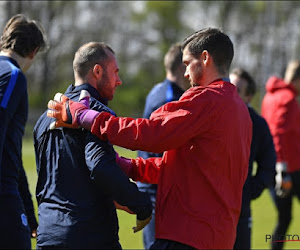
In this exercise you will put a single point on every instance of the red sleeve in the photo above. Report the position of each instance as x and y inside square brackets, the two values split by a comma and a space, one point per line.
[169, 127]
[146, 170]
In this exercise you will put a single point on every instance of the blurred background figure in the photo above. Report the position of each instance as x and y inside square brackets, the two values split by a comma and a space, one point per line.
[169, 90]
[262, 152]
[282, 112]
[21, 39]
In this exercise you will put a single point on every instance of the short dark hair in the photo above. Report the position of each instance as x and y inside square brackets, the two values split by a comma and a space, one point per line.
[218, 45]
[88, 55]
[22, 36]
[173, 58]
[251, 85]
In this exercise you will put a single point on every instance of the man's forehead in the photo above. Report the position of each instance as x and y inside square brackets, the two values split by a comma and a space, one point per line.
[186, 51]
[186, 54]
[112, 60]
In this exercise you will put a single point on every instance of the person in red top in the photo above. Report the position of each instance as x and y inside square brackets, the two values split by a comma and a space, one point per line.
[282, 113]
[206, 136]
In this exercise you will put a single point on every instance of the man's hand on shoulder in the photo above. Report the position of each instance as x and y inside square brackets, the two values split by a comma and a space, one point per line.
[71, 114]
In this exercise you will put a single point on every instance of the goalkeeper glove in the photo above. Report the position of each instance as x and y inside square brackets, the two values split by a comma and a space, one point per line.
[283, 180]
[71, 114]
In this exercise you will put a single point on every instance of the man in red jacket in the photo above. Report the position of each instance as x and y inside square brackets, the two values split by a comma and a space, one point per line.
[282, 113]
[206, 136]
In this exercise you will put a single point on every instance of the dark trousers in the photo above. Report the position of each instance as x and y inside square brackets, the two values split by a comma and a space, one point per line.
[14, 228]
[284, 209]
[149, 230]
[168, 244]
[243, 233]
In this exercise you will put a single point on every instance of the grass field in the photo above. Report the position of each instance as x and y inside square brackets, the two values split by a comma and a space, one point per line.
[263, 211]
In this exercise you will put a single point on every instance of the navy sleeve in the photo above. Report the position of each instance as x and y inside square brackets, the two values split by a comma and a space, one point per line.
[265, 159]
[12, 88]
[3, 128]
[26, 198]
[109, 179]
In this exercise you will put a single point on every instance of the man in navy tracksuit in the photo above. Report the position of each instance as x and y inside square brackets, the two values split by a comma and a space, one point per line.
[169, 90]
[262, 152]
[20, 41]
[78, 178]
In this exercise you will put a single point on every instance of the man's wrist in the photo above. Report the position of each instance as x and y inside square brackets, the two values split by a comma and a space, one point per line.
[125, 164]
[86, 118]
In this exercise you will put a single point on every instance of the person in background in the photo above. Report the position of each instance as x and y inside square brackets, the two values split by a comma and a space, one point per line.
[78, 178]
[21, 40]
[262, 152]
[282, 112]
[169, 90]
[205, 136]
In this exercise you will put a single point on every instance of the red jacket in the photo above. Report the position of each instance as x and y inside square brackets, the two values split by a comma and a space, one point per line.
[282, 113]
[206, 136]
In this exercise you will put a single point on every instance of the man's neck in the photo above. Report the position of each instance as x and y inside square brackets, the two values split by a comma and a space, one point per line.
[214, 76]
[19, 59]
[178, 80]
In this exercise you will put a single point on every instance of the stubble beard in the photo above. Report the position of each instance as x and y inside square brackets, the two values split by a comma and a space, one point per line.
[198, 77]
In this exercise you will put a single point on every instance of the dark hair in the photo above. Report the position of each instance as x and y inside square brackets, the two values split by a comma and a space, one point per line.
[218, 45]
[22, 36]
[251, 85]
[173, 58]
[88, 55]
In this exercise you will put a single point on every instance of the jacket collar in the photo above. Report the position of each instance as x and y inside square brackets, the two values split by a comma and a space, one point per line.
[224, 79]
[85, 86]
[13, 61]
[174, 84]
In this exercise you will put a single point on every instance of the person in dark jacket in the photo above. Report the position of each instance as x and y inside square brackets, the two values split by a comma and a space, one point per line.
[78, 178]
[262, 152]
[21, 39]
[169, 90]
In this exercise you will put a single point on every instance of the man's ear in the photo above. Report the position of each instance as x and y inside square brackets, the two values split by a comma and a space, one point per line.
[98, 71]
[33, 53]
[206, 58]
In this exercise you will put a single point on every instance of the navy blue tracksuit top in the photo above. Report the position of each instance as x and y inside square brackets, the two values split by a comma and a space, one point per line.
[13, 114]
[14, 229]
[78, 180]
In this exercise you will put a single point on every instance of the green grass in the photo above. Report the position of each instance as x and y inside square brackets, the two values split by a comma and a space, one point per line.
[263, 211]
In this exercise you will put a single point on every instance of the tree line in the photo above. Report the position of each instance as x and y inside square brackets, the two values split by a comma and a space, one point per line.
[265, 36]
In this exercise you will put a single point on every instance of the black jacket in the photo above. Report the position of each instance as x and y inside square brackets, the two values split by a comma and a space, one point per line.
[78, 180]
[263, 153]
